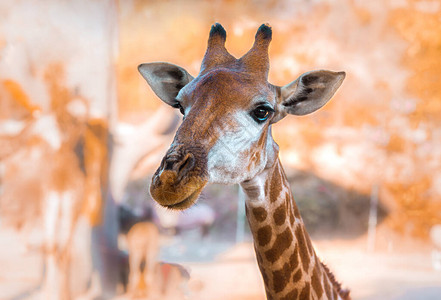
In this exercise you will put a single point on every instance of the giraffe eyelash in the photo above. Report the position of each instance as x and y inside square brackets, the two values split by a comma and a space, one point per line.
[179, 106]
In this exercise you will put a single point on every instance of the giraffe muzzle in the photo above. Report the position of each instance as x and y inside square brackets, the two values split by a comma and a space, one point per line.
[179, 179]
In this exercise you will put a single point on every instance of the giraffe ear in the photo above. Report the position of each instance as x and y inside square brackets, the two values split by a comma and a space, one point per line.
[310, 91]
[165, 79]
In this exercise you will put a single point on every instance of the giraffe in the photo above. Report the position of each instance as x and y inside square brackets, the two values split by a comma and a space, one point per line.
[149, 278]
[225, 137]
[143, 246]
[55, 168]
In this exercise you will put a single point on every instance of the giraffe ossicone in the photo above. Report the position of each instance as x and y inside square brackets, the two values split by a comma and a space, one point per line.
[225, 137]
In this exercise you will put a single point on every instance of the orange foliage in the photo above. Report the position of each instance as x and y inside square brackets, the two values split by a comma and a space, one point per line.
[396, 143]
[423, 32]
[416, 211]
[359, 116]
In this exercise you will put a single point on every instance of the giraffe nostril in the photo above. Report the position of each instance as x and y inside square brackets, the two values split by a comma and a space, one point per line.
[185, 165]
[180, 167]
[169, 164]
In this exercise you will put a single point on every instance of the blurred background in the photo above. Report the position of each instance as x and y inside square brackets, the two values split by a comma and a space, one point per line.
[81, 133]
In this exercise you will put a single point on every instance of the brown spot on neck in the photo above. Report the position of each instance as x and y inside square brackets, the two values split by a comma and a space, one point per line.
[291, 295]
[259, 214]
[316, 283]
[297, 275]
[264, 235]
[275, 185]
[279, 215]
[282, 277]
[282, 242]
[306, 291]
[303, 248]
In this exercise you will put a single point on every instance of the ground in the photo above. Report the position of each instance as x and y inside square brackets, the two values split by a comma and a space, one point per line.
[229, 272]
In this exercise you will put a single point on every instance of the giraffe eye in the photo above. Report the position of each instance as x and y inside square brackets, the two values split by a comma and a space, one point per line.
[261, 113]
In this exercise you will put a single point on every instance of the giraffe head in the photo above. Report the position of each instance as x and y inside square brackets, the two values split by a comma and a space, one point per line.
[228, 109]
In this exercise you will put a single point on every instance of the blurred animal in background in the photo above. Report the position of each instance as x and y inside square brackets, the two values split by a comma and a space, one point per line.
[172, 281]
[59, 158]
[149, 278]
[143, 247]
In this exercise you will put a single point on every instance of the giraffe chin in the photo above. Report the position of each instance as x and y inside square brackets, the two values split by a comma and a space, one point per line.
[177, 196]
[186, 203]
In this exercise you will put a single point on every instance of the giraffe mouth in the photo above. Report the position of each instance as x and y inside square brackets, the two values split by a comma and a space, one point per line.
[180, 178]
[177, 196]
[185, 203]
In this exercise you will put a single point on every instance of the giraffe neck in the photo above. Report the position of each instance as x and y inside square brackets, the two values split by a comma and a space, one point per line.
[286, 258]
